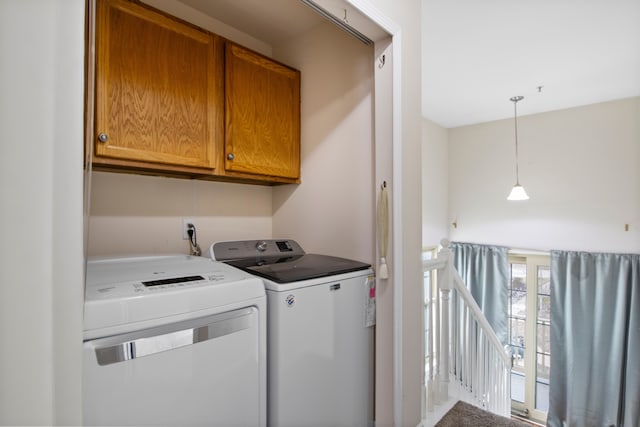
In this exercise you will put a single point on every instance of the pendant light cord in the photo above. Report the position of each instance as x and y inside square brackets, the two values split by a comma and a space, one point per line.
[517, 192]
[515, 100]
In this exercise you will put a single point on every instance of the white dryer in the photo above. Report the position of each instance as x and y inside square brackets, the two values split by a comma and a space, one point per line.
[173, 340]
[320, 354]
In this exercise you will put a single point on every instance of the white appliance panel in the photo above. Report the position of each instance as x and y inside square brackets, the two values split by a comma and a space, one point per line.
[173, 340]
[117, 301]
[215, 379]
[319, 353]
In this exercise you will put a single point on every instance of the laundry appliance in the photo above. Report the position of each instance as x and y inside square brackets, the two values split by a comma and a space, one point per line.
[173, 340]
[319, 351]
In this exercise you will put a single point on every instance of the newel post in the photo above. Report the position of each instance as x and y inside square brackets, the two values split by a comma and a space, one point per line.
[445, 283]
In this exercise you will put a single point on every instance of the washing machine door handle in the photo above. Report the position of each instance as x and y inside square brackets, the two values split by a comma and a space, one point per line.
[156, 340]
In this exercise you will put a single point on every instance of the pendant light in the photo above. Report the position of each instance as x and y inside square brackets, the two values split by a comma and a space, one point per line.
[517, 192]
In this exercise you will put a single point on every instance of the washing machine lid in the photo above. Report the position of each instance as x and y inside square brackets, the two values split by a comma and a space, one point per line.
[298, 268]
[133, 292]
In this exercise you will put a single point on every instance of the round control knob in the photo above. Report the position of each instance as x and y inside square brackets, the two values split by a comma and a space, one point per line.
[230, 156]
[261, 246]
[103, 137]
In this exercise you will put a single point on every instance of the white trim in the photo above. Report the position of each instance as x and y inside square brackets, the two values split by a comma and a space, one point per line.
[374, 14]
[393, 29]
[398, 275]
[528, 252]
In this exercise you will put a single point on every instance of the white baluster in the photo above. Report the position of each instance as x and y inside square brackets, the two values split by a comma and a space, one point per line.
[461, 343]
[445, 283]
[444, 347]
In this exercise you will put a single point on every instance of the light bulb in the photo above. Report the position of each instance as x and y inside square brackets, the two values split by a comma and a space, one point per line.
[518, 193]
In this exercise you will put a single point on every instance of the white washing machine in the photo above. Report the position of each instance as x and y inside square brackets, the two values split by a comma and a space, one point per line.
[320, 351]
[173, 340]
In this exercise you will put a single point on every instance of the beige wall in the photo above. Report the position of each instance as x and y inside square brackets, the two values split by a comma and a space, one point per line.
[182, 11]
[133, 214]
[579, 166]
[41, 261]
[435, 183]
[332, 211]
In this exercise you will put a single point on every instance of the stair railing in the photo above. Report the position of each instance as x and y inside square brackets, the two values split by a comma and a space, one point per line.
[460, 346]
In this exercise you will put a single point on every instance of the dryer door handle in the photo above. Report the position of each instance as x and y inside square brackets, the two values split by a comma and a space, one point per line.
[215, 327]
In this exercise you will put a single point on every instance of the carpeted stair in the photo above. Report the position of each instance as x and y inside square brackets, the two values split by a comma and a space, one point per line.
[465, 415]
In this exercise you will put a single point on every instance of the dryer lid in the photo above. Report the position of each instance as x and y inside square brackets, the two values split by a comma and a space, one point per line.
[298, 268]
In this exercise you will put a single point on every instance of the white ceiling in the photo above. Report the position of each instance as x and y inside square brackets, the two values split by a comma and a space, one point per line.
[270, 21]
[478, 54]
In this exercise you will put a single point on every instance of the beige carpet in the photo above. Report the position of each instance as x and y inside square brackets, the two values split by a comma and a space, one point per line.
[465, 415]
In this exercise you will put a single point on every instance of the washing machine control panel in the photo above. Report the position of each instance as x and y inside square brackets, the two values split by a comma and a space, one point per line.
[121, 278]
[125, 291]
[246, 249]
[144, 287]
[172, 281]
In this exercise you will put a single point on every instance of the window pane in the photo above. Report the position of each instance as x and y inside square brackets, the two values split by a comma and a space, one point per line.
[544, 308]
[543, 337]
[544, 280]
[517, 343]
[519, 277]
[544, 366]
[517, 327]
[517, 313]
[517, 386]
[542, 381]
[542, 396]
[536, 341]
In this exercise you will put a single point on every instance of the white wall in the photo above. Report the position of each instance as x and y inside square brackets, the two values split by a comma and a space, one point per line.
[133, 214]
[407, 50]
[435, 188]
[41, 258]
[579, 166]
[189, 14]
[332, 210]
[386, 350]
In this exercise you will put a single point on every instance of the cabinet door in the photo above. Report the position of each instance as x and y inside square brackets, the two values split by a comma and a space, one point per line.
[262, 129]
[156, 95]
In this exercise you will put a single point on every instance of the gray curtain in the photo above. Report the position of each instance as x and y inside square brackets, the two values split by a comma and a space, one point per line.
[485, 270]
[595, 340]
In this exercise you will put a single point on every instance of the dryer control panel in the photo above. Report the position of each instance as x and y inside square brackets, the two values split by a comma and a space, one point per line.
[247, 249]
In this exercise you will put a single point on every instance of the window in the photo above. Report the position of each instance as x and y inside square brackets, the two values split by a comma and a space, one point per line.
[530, 334]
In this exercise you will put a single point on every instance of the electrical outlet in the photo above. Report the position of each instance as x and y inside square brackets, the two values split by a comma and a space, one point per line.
[185, 223]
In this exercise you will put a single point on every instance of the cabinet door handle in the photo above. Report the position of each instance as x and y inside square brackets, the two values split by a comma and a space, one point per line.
[230, 156]
[103, 137]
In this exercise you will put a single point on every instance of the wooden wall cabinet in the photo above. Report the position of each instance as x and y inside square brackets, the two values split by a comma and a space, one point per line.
[262, 116]
[159, 96]
[173, 99]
